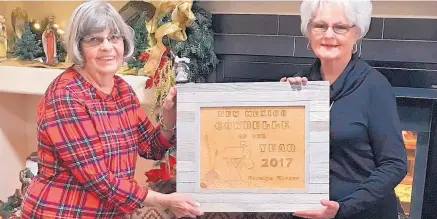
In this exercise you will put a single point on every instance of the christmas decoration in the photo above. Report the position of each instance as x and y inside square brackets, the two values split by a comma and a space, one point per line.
[60, 48]
[3, 38]
[159, 65]
[182, 17]
[166, 171]
[27, 48]
[182, 70]
[163, 178]
[60, 52]
[180, 44]
[49, 42]
[19, 18]
[180, 49]
[11, 208]
[27, 174]
[156, 60]
[199, 46]
[140, 40]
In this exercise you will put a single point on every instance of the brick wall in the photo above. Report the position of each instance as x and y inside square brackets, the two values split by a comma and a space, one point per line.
[256, 47]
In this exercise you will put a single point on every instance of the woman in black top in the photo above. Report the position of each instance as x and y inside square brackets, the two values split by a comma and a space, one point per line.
[367, 153]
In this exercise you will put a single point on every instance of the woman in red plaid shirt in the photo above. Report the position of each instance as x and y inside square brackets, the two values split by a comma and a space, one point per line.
[91, 129]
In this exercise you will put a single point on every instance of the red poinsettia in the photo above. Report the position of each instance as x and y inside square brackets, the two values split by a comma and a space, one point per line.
[154, 80]
[165, 172]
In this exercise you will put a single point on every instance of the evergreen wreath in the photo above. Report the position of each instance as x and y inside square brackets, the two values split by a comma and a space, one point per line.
[199, 46]
[140, 41]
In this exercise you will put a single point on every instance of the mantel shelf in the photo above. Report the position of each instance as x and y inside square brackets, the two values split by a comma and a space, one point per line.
[34, 81]
[416, 93]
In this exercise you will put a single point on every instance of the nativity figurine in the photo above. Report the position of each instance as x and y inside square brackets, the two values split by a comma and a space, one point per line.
[3, 38]
[49, 42]
[18, 18]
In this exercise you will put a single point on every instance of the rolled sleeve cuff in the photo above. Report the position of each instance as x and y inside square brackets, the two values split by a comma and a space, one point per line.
[134, 200]
[164, 142]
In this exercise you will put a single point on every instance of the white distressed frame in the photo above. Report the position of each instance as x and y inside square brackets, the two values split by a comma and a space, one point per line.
[314, 96]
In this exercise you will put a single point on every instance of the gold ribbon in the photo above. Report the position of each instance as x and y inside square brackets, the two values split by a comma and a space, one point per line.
[182, 17]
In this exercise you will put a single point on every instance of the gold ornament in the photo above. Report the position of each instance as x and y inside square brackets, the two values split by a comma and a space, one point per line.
[159, 63]
[158, 58]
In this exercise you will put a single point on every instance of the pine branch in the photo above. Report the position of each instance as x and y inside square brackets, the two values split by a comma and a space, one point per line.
[140, 39]
[199, 46]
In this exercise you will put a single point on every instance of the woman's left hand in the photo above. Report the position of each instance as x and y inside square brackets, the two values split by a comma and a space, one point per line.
[328, 212]
[169, 109]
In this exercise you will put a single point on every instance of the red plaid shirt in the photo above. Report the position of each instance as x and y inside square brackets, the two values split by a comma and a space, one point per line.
[88, 143]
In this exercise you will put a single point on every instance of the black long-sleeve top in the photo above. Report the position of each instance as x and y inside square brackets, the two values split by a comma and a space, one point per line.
[367, 153]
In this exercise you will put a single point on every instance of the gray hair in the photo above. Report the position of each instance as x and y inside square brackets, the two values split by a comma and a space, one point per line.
[94, 17]
[359, 12]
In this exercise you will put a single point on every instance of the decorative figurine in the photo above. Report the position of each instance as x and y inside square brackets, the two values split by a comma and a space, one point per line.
[181, 69]
[18, 18]
[3, 38]
[49, 42]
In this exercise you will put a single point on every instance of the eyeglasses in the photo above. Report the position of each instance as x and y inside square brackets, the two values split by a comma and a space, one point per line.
[323, 27]
[97, 40]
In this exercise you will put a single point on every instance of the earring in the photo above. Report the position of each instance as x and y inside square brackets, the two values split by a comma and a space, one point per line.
[78, 67]
[308, 46]
[355, 48]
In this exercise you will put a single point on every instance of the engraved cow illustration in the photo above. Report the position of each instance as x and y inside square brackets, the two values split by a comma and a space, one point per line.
[236, 159]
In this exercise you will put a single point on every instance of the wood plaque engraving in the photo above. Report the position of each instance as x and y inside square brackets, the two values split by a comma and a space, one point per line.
[253, 147]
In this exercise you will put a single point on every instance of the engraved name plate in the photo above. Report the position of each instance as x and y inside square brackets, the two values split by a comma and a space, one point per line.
[253, 147]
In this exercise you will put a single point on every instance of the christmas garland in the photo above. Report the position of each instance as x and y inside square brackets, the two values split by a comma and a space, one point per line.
[198, 46]
[163, 38]
[159, 42]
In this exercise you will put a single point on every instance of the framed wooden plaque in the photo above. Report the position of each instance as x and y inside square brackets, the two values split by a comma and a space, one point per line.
[253, 147]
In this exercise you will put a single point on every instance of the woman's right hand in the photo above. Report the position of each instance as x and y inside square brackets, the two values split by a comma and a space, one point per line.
[179, 204]
[182, 206]
[295, 80]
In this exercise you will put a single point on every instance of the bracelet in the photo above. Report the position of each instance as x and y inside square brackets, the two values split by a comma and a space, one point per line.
[165, 128]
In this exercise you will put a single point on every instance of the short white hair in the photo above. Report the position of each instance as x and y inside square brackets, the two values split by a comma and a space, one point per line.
[359, 12]
[93, 17]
